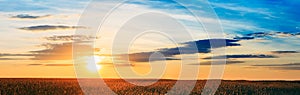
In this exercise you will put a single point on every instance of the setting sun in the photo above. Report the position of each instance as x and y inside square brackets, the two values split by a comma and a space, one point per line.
[94, 61]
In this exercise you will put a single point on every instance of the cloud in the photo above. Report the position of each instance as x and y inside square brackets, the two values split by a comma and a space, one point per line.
[27, 16]
[242, 56]
[285, 68]
[218, 63]
[73, 38]
[243, 38]
[8, 54]
[113, 64]
[50, 27]
[262, 14]
[59, 65]
[60, 6]
[265, 35]
[54, 51]
[15, 59]
[58, 51]
[240, 8]
[290, 66]
[204, 46]
[35, 64]
[283, 52]
[50, 64]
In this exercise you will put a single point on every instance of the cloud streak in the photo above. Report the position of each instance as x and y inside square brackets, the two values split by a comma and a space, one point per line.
[283, 52]
[8, 54]
[15, 59]
[58, 65]
[73, 38]
[218, 63]
[242, 56]
[50, 27]
[263, 35]
[27, 16]
[290, 66]
[203, 46]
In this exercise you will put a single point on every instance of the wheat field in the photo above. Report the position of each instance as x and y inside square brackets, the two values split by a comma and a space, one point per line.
[121, 87]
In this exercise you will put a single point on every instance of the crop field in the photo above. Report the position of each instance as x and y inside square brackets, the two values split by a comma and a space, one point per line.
[71, 87]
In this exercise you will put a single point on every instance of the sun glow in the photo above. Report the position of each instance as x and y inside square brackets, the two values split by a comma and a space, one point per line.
[93, 63]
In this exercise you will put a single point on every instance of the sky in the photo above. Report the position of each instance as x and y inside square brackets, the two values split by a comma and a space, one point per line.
[154, 38]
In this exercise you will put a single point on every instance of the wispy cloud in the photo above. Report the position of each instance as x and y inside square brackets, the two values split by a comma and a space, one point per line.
[41, 6]
[27, 16]
[50, 64]
[8, 54]
[114, 64]
[290, 66]
[50, 27]
[267, 35]
[285, 68]
[239, 8]
[243, 38]
[15, 58]
[73, 38]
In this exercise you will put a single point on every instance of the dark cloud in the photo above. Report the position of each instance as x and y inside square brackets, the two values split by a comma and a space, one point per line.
[49, 27]
[173, 59]
[242, 56]
[27, 16]
[203, 46]
[283, 52]
[74, 38]
[243, 38]
[295, 34]
[218, 63]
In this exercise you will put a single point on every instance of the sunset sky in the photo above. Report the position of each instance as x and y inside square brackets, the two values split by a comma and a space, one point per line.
[262, 38]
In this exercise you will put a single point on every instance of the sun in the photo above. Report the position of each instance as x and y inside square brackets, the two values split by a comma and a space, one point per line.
[93, 63]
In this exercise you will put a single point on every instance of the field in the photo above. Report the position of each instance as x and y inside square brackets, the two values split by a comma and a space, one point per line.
[71, 87]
